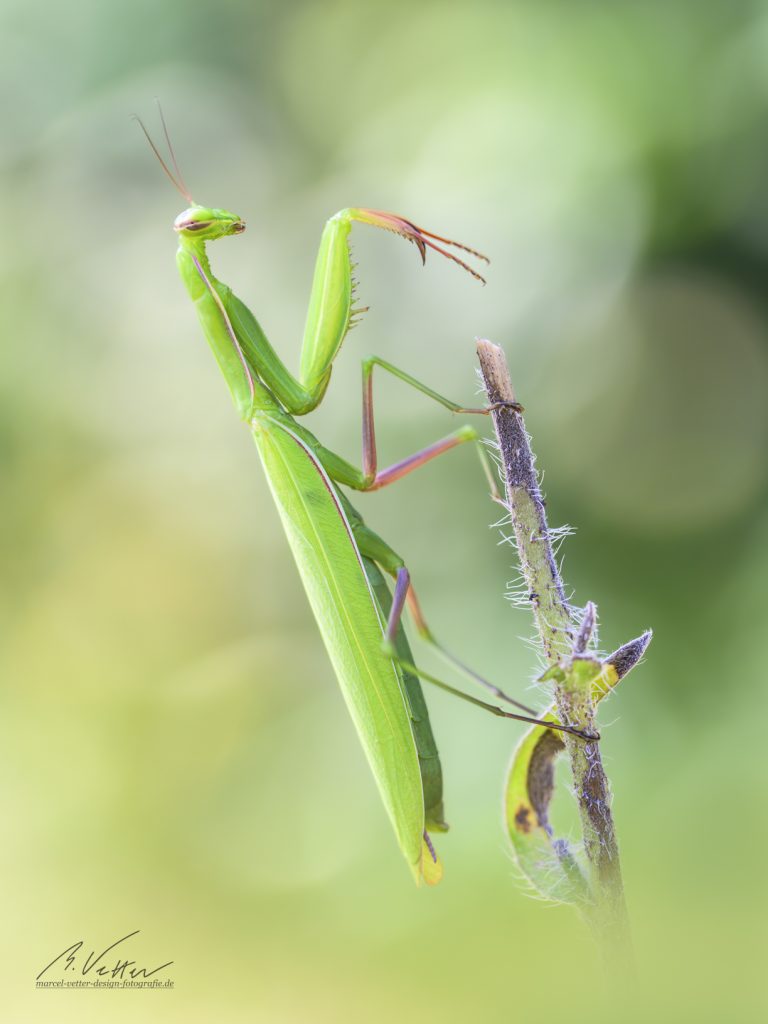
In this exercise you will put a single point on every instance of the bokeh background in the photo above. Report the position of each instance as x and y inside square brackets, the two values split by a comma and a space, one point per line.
[176, 756]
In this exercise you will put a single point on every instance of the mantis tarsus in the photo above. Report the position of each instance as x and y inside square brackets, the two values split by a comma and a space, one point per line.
[339, 558]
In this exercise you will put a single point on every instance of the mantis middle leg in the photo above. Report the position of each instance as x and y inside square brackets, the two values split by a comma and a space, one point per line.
[369, 478]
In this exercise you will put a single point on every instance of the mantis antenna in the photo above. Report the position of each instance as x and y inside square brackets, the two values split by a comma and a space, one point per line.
[179, 175]
[178, 181]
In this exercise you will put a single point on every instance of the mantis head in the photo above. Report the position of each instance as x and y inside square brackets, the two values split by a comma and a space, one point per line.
[207, 224]
[196, 221]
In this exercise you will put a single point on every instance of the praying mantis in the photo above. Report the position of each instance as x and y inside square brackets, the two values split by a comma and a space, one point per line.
[340, 559]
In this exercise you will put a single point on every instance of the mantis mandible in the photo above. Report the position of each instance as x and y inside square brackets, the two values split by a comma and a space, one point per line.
[339, 558]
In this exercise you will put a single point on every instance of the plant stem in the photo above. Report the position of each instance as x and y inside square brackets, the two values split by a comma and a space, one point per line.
[564, 645]
[526, 505]
[607, 914]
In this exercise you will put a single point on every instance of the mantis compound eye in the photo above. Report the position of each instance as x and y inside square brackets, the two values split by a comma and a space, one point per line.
[194, 225]
[190, 220]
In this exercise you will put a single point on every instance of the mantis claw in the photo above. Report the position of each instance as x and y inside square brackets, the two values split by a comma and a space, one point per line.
[485, 410]
[584, 734]
[421, 238]
[495, 406]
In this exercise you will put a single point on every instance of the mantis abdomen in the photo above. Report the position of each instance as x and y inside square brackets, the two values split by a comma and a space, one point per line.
[352, 626]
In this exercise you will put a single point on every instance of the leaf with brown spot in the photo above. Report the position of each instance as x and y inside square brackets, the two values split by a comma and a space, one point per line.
[546, 862]
[522, 818]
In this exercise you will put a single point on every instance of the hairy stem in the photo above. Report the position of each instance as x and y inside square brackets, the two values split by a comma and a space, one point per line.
[607, 913]
[564, 644]
[546, 593]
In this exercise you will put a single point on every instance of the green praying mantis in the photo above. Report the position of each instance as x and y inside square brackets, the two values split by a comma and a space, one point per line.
[341, 561]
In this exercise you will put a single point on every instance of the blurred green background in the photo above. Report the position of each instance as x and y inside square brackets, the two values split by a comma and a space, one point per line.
[176, 755]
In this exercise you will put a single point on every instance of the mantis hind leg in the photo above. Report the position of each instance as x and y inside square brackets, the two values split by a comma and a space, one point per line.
[426, 748]
[375, 549]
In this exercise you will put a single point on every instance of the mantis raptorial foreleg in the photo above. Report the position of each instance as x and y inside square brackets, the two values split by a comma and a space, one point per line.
[330, 314]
